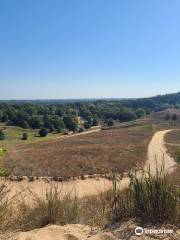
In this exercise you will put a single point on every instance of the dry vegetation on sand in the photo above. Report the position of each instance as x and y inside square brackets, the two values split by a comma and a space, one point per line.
[151, 199]
[102, 152]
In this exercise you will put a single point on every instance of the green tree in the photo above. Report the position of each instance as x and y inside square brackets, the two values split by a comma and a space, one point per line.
[24, 124]
[140, 112]
[58, 123]
[47, 121]
[4, 118]
[95, 122]
[25, 136]
[167, 116]
[174, 117]
[110, 122]
[71, 123]
[35, 122]
[43, 132]
[81, 129]
[87, 125]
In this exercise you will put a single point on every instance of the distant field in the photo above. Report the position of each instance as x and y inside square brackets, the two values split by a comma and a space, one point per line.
[117, 149]
[13, 136]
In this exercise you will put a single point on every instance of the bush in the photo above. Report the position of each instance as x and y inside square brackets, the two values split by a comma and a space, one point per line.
[43, 132]
[2, 135]
[24, 136]
[110, 122]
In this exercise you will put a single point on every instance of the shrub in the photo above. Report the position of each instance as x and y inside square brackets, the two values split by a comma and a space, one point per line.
[43, 132]
[24, 136]
[110, 122]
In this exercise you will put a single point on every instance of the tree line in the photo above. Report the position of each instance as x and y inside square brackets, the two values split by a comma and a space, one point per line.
[57, 117]
[80, 115]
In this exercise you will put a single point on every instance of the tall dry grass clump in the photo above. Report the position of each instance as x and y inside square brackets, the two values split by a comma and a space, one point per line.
[54, 208]
[152, 198]
[7, 205]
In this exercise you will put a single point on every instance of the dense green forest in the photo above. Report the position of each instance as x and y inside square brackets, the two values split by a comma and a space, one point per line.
[75, 115]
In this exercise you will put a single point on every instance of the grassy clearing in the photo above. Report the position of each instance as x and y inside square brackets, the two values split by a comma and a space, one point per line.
[14, 134]
[100, 152]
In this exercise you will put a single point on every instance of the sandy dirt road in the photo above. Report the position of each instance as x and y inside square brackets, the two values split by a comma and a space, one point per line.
[156, 156]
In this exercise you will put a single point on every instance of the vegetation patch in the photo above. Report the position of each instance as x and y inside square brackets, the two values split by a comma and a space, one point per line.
[116, 150]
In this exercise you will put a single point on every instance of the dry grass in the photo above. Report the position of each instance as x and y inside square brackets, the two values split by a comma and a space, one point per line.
[116, 150]
[54, 208]
[173, 138]
[151, 199]
[7, 208]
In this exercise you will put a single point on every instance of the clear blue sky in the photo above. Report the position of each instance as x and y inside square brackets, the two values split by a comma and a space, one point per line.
[89, 48]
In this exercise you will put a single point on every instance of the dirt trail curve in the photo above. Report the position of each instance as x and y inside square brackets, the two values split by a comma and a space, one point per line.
[156, 152]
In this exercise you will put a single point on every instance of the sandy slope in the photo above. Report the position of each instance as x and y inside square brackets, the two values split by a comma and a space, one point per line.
[80, 188]
[156, 151]
[68, 232]
[121, 231]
